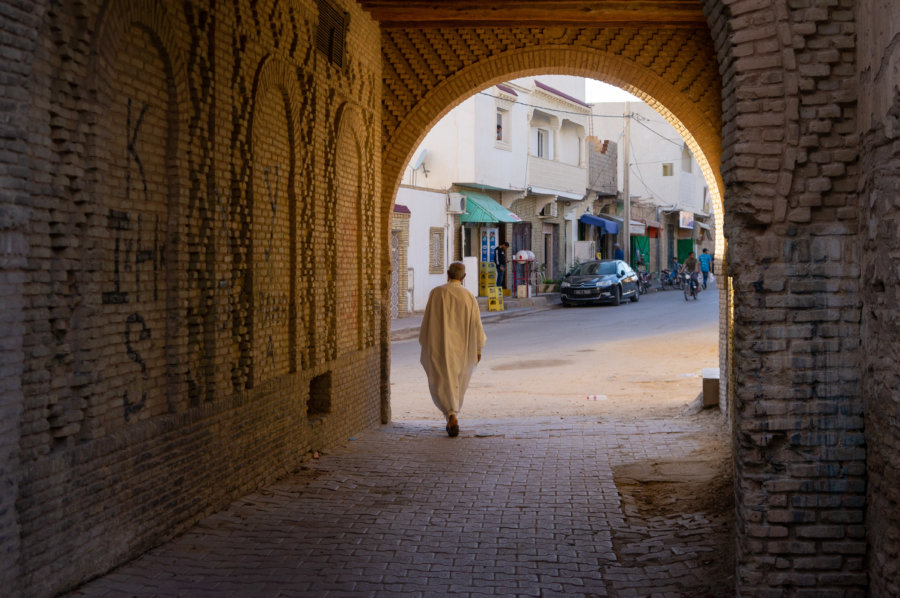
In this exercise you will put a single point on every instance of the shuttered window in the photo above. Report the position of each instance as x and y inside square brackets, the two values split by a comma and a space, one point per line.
[331, 32]
[435, 250]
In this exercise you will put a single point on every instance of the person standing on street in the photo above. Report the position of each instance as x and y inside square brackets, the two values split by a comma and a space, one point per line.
[618, 253]
[706, 261]
[451, 338]
[500, 261]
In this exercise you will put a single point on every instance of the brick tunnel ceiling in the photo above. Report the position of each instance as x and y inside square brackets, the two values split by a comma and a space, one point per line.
[414, 14]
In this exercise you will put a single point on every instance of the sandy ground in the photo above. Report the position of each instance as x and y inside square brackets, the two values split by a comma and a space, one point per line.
[650, 376]
[682, 505]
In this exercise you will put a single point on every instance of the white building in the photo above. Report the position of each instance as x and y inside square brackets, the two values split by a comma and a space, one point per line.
[521, 145]
[671, 209]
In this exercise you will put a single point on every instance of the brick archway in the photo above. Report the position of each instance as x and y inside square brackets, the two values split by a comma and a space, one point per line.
[429, 72]
[680, 81]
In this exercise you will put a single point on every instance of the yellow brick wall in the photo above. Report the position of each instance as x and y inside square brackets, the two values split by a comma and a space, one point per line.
[207, 241]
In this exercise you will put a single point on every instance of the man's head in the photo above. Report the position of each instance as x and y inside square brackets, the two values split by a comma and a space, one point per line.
[456, 271]
[705, 250]
[691, 254]
[504, 244]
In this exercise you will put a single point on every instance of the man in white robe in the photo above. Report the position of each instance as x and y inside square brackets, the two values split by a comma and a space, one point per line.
[451, 337]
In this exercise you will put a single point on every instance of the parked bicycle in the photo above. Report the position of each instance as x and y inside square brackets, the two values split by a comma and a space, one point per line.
[643, 282]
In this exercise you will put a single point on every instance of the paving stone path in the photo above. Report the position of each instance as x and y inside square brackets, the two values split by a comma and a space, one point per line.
[510, 508]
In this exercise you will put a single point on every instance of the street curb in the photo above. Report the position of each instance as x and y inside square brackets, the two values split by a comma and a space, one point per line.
[486, 318]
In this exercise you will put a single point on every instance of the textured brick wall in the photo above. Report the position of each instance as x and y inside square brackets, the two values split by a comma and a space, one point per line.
[198, 238]
[878, 51]
[602, 165]
[19, 24]
[790, 169]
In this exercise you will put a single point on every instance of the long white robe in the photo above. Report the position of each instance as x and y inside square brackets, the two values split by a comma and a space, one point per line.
[451, 337]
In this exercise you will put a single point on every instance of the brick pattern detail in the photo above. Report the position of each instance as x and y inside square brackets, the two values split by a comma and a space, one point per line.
[879, 114]
[20, 41]
[790, 169]
[194, 173]
[428, 72]
[603, 156]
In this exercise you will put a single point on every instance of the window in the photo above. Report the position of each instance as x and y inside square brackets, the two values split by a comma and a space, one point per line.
[668, 169]
[543, 139]
[503, 134]
[331, 32]
[435, 250]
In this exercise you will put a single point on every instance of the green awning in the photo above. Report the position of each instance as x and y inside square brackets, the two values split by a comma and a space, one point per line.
[481, 208]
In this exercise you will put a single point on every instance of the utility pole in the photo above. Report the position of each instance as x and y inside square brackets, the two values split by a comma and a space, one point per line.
[626, 246]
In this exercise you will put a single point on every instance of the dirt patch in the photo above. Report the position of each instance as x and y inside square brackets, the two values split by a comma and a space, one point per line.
[679, 520]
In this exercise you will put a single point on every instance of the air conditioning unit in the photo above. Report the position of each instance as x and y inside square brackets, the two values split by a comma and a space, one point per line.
[456, 203]
[551, 210]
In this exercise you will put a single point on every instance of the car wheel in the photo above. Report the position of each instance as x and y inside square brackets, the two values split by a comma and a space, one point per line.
[617, 296]
[565, 302]
[636, 297]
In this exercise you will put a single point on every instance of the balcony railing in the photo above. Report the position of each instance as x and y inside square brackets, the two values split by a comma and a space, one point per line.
[549, 174]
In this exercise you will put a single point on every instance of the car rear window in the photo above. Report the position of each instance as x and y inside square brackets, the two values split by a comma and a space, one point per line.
[595, 268]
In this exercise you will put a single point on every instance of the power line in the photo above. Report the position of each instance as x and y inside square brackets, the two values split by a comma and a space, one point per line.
[545, 109]
[638, 119]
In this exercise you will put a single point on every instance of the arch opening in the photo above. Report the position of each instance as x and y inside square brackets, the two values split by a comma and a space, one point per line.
[526, 373]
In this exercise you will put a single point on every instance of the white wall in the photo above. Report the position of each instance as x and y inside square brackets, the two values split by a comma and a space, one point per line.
[462, 147]
[500, 165]
[653, 143]
[449, 157]
[427, 209]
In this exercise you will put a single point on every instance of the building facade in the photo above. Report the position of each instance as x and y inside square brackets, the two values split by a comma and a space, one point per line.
[520, 144]
[671, 206]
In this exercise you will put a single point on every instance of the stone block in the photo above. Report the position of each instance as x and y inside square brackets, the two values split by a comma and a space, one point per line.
[710, 386]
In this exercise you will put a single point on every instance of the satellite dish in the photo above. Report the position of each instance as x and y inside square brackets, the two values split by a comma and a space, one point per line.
[420, 160]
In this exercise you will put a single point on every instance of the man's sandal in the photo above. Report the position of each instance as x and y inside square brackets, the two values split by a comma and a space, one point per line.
[452, 428]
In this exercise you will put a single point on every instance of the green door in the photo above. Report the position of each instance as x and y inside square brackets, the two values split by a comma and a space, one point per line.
[685, 246]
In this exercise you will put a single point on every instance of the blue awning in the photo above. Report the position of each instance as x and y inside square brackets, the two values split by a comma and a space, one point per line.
[607, 225]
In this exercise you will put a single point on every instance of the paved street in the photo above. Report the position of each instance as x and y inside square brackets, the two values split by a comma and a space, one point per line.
[610, 502]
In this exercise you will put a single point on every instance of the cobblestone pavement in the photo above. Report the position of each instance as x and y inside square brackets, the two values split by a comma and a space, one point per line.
[511, 507]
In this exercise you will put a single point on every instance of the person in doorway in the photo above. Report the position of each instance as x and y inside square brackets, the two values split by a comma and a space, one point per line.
[500, 261]
[618, 253]
[451, 338]
[706, 261]
[692, 267]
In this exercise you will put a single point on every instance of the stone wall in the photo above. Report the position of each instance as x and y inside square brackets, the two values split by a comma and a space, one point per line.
[878, 52]
[790, 167]
[603, 158]
[197, 226]
[19, 24]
